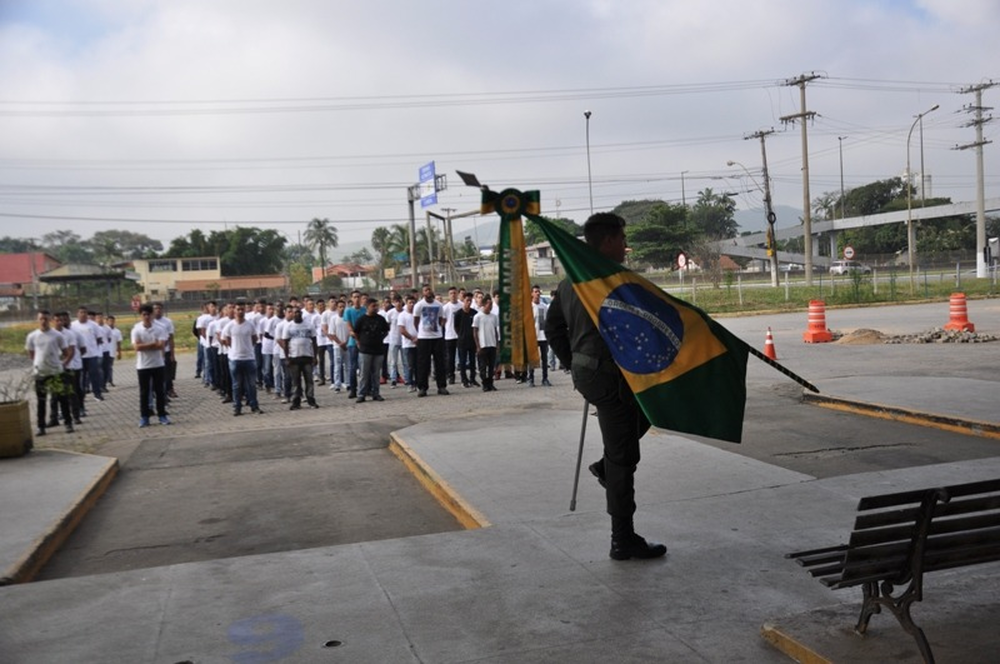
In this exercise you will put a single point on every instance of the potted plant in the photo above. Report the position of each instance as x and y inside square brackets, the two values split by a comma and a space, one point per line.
[15, 415]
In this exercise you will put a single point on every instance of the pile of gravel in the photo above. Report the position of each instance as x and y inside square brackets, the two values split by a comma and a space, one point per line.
[938, 335]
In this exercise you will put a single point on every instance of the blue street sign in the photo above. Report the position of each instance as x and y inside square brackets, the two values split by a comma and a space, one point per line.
[428, 190]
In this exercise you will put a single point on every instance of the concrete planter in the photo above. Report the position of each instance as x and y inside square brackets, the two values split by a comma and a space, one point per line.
[15, 429]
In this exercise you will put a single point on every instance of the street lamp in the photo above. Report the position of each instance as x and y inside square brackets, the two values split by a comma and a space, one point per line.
[840, 144]
[911, 239]
[769, 215]
[590, 182]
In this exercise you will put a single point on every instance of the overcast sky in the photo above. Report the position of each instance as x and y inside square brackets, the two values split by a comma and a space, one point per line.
[165, 116]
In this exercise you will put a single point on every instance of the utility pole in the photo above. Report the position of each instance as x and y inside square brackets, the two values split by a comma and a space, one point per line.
[449, 249]
[802, 116]
[978, 122]
[683, 193]
[772, 250]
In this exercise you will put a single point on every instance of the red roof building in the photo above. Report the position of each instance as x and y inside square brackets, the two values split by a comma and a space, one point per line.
[19, 271]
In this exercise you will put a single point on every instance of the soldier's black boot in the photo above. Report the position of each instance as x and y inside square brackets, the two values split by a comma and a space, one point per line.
[625, 544]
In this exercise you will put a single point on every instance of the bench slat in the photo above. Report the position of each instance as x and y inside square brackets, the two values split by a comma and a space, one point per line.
[938, 527]
[904, 497]
[909, 515]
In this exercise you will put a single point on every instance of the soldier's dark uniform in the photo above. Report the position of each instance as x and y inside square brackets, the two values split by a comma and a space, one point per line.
[577, 343]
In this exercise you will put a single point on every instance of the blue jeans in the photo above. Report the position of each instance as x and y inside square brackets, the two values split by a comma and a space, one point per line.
[371, 373]
[92, 368]
[336, 365]
[244, 373]
[267, 369]
[200, 363]
[351, 369]
[394, 362]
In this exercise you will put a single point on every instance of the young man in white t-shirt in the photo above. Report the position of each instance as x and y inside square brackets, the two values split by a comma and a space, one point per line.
[49, 352]
[394, 353]
[240, 338]
[406, 324]
[149, 340]
[298, 338]
[486, 324]
[539, 310]
[429, 316]
[208, 358]
[450, 335]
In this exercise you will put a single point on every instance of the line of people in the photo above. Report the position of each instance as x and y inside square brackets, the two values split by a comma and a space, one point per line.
[71, 359]
[355, 343]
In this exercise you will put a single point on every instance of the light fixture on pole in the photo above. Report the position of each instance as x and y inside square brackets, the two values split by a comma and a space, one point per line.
[911, 239]
[590, 182]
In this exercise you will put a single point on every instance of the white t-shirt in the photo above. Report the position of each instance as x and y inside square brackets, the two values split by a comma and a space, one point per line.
[73, 339]
[408, 322]
[486, 329]
[116, 340]
[300, 338]
[448, 311]
[540, 311]
[395, 338]
[220, 324]
[428, 316]
[240, 337]
[148, 359]
[48, 347]
[202, 323]
[267, 326]
[318, 320]
[168, 325]
[338, 327]
[88, 333]
[279, 331]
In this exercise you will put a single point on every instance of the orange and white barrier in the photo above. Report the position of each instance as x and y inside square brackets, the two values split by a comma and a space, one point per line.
[769, 346]
[959, 314]
[817, 333]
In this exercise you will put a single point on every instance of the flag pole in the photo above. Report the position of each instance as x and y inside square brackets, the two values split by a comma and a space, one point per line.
[794, 376]
[579, 456]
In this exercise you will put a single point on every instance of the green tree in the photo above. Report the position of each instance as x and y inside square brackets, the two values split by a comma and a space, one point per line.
[714, 215]
[361, 257]
[635, 211]
[321, 235]
[67, 247]
[299, 278]
[113, 246]
[193, 245]
[16, 245]
[532, 235]
[660, 235]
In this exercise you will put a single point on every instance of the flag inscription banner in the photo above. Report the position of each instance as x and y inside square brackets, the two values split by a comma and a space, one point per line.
[687, 371]
[518, 341]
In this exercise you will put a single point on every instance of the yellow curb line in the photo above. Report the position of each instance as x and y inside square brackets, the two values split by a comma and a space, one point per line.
[898, 414]
[466, 514]
[27, 567]
[788, 645]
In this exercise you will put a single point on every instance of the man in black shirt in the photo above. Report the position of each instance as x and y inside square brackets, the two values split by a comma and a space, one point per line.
[370, 331]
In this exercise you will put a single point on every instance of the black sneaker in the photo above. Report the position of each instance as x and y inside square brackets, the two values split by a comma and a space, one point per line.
[313, 404]
[597, 470]
[421, 393]
[40, 431]
[52, 423]
[634, 546]
[69, 428]
[378, 397]
[443, 391]
[352, 395]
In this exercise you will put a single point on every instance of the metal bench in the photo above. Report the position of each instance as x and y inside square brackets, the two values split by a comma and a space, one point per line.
[899, 537]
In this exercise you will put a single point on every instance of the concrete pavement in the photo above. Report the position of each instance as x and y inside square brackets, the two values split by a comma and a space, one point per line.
[536, 583]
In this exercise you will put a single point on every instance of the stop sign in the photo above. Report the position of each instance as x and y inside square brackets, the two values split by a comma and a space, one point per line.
[848, 252]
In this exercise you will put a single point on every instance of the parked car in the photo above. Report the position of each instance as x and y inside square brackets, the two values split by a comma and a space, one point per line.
[846, 267]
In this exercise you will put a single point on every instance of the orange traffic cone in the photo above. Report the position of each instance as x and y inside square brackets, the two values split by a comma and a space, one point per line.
[817, 332]
[959, 314]
[769, 346]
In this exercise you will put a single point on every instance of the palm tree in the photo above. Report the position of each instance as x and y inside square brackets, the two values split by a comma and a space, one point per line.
[320, 235]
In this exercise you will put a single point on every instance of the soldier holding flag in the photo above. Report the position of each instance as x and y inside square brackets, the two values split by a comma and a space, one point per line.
[579, 345]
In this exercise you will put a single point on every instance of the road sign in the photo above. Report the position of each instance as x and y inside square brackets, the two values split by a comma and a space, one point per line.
[682, 260]
[428, 190]
[848, 252]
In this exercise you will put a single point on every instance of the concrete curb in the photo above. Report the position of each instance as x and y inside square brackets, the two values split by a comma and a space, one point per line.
[790, 646]
[467, 515]
[909, 416]
[45, 546]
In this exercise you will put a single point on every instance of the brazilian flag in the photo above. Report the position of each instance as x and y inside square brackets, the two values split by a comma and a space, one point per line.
[688, 372]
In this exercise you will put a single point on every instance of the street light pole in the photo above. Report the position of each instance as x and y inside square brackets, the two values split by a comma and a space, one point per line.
[840, 142]
[911, 236]
[683, 194]
[590, 182]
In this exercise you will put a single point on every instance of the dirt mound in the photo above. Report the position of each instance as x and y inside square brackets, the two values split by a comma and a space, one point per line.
[862, 337]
